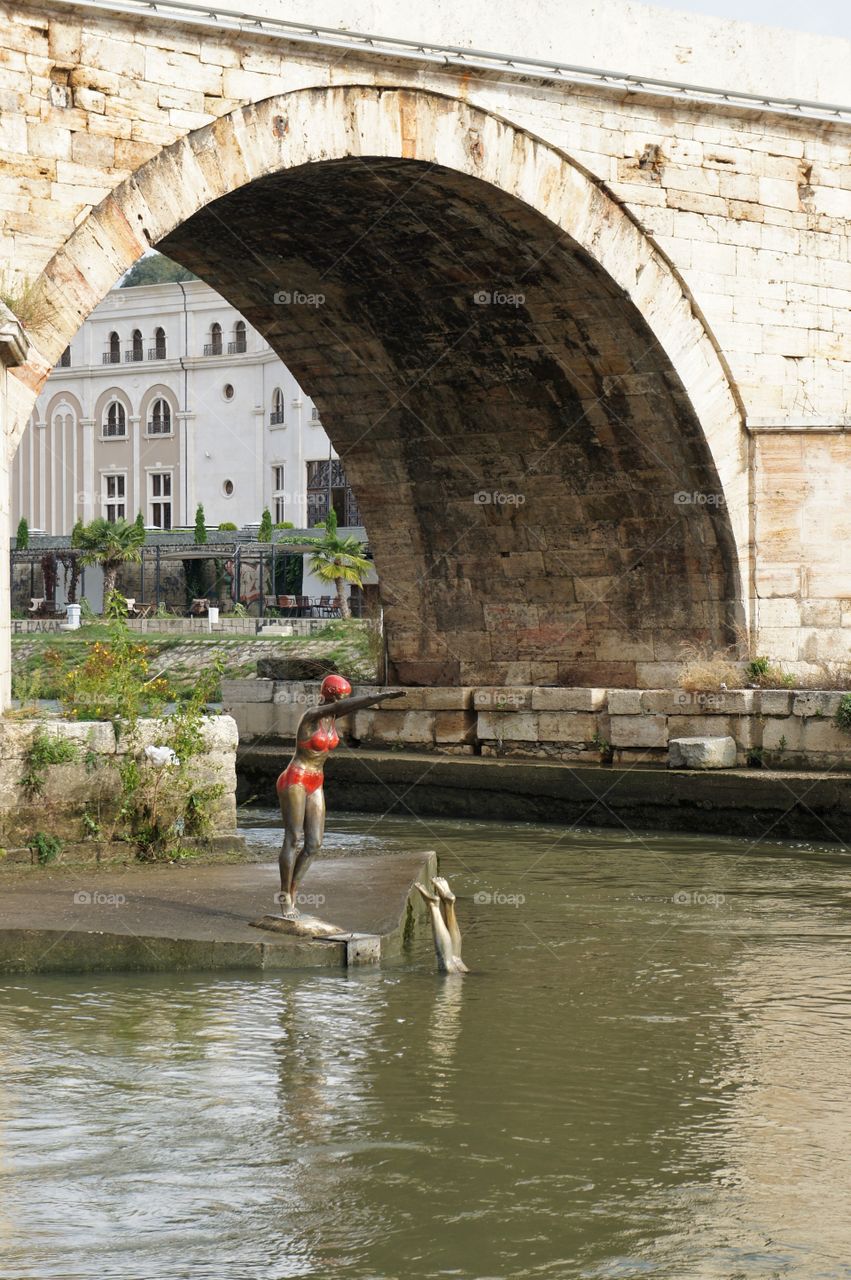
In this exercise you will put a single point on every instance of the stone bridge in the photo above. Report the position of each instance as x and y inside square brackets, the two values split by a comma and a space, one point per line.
[583, 340]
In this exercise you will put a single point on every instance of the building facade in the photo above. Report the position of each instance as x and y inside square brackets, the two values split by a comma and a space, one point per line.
[166, 397]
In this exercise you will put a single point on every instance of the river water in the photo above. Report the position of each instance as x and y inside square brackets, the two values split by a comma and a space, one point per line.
[646, 1074]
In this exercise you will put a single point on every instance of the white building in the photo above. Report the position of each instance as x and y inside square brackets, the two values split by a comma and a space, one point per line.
[167, 398]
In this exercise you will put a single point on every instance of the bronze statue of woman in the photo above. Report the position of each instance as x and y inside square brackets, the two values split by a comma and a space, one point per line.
[299, 787]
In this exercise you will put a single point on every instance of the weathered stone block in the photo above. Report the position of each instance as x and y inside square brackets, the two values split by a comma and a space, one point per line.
[624, 702]
[701, 753]
[507, 726]
[237, 691]
[638, 730]
[773, 702]
[454, 727]
[816, 703]
[568, 699]
[503, 699]
[567, 726]
[440, 699]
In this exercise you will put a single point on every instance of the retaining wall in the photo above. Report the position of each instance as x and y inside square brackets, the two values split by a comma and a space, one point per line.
[86, 784]
[782, 728]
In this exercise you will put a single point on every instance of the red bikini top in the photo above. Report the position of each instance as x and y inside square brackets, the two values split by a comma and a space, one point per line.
[322, 739]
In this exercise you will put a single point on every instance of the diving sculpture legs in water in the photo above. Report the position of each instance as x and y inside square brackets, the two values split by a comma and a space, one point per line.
[447, 910]
[447, 959]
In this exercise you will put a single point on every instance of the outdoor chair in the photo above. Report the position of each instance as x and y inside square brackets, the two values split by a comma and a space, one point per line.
[130, 602]
[323, 607]
[303, 606]
[287, 605]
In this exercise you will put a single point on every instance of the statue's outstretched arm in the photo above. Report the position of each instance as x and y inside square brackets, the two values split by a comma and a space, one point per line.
[345, 706]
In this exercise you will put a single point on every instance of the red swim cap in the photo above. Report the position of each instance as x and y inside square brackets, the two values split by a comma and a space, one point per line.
[334, 684]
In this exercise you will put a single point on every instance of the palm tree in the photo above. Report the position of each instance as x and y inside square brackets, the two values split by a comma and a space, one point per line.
[337, 560]
[110, 544]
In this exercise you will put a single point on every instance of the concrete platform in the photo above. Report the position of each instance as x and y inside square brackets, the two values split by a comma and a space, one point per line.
[199, 917]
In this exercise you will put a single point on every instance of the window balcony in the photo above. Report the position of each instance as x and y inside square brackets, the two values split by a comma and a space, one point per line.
[134, 354]
[212, 348]
[112, 357]
[156, 353]
[237, 348]
[159, 426]
[276, 418]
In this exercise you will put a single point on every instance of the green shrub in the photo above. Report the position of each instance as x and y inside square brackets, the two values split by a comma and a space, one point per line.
[843, 713]
[45, 750]
[46, 848]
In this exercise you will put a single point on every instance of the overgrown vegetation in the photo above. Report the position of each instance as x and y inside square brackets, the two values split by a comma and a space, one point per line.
[46, 848]
[46, 749]
[843, 714]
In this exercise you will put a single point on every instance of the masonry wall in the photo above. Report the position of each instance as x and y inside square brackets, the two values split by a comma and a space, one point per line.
[87, 784]
[779, 728]
[751, 210]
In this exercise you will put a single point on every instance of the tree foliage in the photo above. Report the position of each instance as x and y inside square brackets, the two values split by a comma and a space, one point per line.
[155, 268]
[200, 527]
[111, 544]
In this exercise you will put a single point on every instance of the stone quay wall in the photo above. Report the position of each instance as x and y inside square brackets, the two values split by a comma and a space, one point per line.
[84, 785]
[781, 728]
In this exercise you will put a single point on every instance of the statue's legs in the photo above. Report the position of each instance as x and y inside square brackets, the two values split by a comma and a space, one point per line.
[293, 800]
[314, 831]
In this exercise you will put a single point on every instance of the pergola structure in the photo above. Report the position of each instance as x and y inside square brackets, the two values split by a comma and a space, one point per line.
[238, 554]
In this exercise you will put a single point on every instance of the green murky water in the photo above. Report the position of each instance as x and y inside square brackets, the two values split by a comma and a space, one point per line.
[647, 1073]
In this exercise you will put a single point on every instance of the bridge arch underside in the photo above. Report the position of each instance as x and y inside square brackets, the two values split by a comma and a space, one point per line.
[539, 495]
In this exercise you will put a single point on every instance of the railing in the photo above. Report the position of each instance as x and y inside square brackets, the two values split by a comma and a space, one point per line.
[212, 348]
[135, 353]
[156, 353]
[276, 418]
[238, 347]
[159, 426]
[112, 357]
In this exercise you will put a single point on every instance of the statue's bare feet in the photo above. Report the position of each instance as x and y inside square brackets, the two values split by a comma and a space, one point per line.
[289, 911]
[429, 897]
[441, 888]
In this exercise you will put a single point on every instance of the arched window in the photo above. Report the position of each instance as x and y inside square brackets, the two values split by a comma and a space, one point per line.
[112, 355]
[135, 352]
[65, 358]
[214, 346]
[240, 340]
[115, 419]
[158, 351]
[276, 417]
[159, 423]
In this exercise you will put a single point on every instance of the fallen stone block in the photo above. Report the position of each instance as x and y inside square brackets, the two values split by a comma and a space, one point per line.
[701, 753]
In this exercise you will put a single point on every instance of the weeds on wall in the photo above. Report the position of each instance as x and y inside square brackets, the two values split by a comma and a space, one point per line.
[150, 793]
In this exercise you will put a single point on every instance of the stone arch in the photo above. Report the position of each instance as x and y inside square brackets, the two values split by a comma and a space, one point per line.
[603, 376]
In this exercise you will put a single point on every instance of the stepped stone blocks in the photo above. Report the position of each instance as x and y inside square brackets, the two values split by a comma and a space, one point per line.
[778, 727]
[686, 306]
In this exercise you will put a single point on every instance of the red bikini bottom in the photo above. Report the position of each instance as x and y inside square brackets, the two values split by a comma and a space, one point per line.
[296, 775]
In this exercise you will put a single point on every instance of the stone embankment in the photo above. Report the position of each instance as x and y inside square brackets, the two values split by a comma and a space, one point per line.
[72, 797]
[781, 728]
